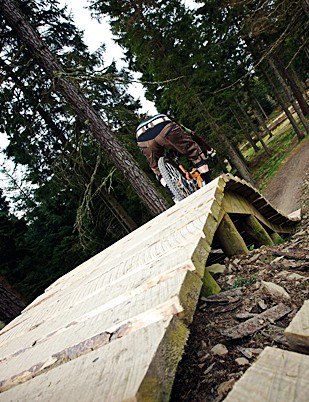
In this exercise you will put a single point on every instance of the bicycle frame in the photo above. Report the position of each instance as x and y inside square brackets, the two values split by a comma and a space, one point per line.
[192, 176]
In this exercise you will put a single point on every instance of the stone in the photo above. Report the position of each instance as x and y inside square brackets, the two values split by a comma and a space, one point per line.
[216, 268]
[225, 387]
[275, 289]
[242, 361]
[297, 276]
[219, 349]
[261, 303]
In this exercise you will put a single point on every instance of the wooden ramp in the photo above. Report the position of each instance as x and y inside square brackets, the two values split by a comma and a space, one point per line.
[114, 328]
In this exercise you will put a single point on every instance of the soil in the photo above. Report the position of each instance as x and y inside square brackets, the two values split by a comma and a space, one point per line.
[213, 361]
[285, 190]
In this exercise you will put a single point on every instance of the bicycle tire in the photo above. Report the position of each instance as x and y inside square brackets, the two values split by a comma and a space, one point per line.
[175, 178]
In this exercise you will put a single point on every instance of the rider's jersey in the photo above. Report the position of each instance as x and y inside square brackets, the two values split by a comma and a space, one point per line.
[150, 128]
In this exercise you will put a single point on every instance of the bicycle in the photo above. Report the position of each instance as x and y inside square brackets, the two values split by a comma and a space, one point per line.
[181, 181]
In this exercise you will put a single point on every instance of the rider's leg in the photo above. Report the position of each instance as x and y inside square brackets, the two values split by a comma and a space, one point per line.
[183, 143]
[152, 150]
[203, 168]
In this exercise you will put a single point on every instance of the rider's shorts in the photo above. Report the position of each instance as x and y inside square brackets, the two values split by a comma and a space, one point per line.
[171, 137]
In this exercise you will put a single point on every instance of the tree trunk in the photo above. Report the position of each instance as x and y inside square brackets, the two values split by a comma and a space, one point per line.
[37, 106]
[232, 154]
[260, 119]
[287, 92]
[11, 304]
[294, 103]
[247, 134]
[118, 155]
[235, 160]
[296, 91]
[283, 103]
[254, 129]
[113, 205]
[261, 109]
[305, 7]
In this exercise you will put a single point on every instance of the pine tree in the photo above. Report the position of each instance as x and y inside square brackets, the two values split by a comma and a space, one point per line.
[86, 112]
[163, 41]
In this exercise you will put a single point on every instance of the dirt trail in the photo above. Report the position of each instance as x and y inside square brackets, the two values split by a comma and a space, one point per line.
[284, 190]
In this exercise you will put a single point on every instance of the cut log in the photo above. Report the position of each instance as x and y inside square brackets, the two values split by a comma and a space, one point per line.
[230, 239]
[276, 238]
[257, 231]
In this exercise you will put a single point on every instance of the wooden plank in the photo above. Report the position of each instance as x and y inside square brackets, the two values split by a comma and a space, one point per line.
[181, 291]
[277, 375]
[297, 333]
[116, 282]
[252, 195]
[295, 215]
[178, 212]
[141, 282]
[159, 245]
[234, 203]
[119, 371]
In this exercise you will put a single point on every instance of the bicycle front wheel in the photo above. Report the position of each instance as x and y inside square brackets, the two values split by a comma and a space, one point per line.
[175, 179]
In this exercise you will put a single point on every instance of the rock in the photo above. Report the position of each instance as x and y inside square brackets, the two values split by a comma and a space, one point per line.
[225, 387]
[241, 361]
[250, 352]
[275, 289]
[262, 304]
[216, 269]
[245, 316]
[219, 349]
[297, 276]
[277, 259]
[230, 280]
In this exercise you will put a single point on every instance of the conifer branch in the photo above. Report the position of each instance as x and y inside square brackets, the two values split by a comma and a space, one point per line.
[266, 54]
[110, 77]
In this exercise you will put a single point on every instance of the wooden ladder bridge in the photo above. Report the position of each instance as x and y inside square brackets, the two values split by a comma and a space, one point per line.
[114, 328]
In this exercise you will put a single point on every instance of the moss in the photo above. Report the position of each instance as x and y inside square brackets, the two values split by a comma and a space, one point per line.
[157, 384]
[210, 286]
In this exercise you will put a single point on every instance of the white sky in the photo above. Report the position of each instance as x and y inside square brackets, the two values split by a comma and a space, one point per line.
[95, 34]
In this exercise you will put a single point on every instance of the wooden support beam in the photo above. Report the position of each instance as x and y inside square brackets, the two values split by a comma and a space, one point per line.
[254, 228]
[276, 238]
[210, 286]
[230, 239]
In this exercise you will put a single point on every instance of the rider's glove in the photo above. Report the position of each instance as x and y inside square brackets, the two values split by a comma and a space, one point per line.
[211, 153]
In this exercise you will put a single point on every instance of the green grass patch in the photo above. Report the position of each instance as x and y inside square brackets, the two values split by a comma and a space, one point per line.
[262, 166]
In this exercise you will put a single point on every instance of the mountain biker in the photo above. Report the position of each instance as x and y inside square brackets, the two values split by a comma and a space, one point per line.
[159, 132]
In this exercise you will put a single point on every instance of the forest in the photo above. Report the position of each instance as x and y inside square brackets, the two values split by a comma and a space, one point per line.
[221, 69]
